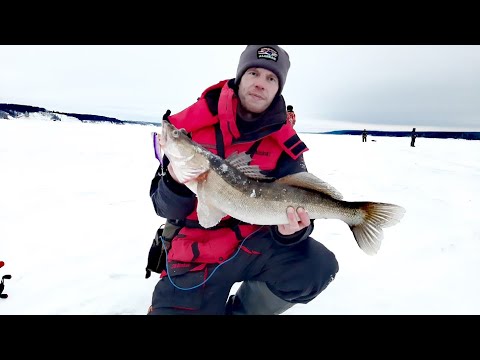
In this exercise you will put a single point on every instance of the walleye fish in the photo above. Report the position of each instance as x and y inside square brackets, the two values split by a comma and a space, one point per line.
[233, 187]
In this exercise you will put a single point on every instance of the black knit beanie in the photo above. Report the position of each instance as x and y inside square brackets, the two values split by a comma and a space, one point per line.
[271, 57]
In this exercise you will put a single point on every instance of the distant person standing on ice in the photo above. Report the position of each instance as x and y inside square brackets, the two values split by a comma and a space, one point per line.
[364, 135]
[291, 115]
[413, 136]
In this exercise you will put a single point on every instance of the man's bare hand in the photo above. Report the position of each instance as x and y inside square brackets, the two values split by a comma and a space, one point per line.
[296, 221]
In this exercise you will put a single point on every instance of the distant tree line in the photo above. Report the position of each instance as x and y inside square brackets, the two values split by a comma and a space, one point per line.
[16, 110]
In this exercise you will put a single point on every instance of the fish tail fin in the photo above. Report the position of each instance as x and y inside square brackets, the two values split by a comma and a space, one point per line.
[369, 233]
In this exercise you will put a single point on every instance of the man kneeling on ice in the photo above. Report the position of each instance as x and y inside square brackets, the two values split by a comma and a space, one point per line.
[278, 266]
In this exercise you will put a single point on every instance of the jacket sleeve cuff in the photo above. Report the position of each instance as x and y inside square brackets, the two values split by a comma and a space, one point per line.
[289, 240]
[175, 187]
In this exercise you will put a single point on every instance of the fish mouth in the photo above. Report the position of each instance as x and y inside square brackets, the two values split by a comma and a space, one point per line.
[169, 136]
[167, 132]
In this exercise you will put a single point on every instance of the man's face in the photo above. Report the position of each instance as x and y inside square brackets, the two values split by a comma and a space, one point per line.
[257, 88]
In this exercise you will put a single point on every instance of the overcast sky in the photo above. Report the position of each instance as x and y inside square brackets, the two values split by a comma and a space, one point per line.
[374, 86]
[76, 221]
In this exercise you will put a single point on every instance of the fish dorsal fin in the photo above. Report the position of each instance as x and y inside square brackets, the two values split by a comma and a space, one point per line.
[309, 181]
[240, 161]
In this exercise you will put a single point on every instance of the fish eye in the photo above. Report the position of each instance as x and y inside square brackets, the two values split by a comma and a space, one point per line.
[175, 133]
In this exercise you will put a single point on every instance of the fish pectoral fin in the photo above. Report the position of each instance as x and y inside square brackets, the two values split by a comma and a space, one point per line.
[309, 181]
[208, 215]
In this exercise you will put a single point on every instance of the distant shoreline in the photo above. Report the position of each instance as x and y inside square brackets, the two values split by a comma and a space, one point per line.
[12, 111]
[466, 135]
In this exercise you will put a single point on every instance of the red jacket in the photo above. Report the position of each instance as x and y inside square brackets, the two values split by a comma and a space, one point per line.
[194, 244]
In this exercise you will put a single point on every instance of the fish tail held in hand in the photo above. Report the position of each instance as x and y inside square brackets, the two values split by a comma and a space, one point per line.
[369, 233]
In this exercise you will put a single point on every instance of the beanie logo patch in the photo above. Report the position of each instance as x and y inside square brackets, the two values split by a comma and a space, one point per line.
[267, 53]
